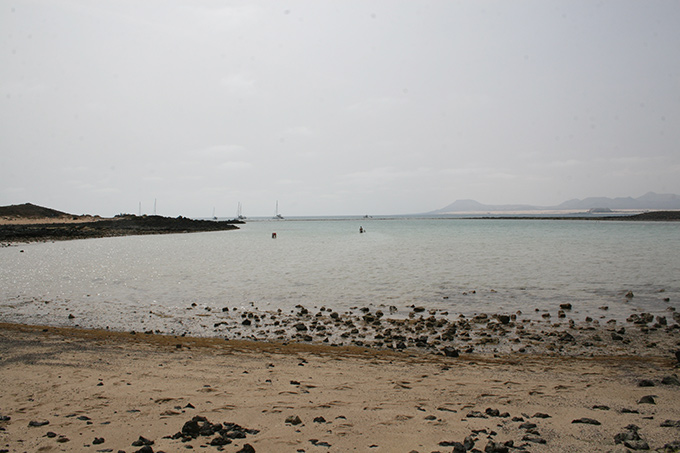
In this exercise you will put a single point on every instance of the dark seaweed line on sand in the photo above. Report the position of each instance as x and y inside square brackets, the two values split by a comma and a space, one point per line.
[126, 226]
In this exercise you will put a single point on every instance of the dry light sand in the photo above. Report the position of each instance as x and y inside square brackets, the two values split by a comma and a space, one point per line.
[116, 387]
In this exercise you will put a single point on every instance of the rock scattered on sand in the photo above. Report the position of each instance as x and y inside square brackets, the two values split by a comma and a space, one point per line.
[670, 380]
[38, 423]
[631, 438]
[601, 407]
[496, 447]
[293, 420]
[647, 399]
[220, 433]
[142, 441]
[586, 421]
[671, 424]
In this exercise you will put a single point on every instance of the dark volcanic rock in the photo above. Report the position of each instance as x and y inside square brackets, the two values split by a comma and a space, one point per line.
[495, 447]
[457, 446]
[587, 421]
[647, 399]
[119, 226]
[670, 380]
[646, 383]
[36, 424]
[145, 449]
[671, 424]
[533, 438]
[142, 441]
[450, 352]
[293, 420]
[630, 438]
[223, 433]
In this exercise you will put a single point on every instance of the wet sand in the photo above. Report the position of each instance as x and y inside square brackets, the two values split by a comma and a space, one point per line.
[100, 391]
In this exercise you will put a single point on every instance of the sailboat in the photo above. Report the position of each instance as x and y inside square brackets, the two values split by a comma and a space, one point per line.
[239, 212]
[278, 216]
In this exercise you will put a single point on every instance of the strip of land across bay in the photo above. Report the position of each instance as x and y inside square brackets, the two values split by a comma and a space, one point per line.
[30, 223]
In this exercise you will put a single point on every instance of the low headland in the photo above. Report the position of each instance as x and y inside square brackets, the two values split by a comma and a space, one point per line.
[30, 223]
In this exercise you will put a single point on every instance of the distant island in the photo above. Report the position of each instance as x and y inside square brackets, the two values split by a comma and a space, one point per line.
[593, 205]
[29, 223]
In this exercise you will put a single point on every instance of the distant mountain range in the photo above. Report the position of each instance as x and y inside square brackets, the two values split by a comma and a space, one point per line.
[649, 201]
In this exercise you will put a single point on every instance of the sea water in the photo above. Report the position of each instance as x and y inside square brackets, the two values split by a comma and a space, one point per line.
[456, 266]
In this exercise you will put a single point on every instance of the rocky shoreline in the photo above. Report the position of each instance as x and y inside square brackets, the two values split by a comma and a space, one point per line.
[119, 226]
[413, 330]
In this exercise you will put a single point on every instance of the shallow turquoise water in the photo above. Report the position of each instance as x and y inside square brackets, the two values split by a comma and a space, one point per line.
[455, 265]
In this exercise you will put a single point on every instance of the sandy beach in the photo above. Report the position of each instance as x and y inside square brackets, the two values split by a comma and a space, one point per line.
[86, 390]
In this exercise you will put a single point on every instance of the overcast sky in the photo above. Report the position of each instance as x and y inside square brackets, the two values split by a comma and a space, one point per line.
[335, 107]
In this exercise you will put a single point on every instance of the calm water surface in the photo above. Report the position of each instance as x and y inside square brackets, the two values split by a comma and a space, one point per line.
[459, 266]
